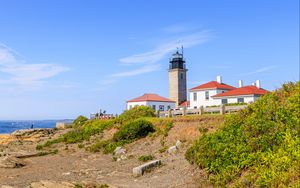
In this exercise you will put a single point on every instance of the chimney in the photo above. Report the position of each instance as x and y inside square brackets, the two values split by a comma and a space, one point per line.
[257, 83]
[219, 79]
[240, 83]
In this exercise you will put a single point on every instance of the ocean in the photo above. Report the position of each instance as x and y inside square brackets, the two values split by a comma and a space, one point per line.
[7, 127]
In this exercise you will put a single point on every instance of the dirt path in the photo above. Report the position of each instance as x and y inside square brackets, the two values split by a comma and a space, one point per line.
[76, 165]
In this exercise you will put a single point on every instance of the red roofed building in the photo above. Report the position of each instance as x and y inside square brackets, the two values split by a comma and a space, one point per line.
[246, 94]
[184, 104]
[217, 93]
[202, 94]
[155, 101]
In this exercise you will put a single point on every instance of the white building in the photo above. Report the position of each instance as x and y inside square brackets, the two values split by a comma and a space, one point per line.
[215, 93]
[202, 94]
[246, 94]
[156, 102]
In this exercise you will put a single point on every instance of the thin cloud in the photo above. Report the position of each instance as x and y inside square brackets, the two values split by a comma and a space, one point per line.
[138, 71]
[149, 61]
[18, 72]
[260, 70]
[161, 51]
[179, 28]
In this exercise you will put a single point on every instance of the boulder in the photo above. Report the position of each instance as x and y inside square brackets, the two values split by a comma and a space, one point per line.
[11, 162]
[120, 151]
[172, 149]
[178, 143]
[50, 184]
[32, 132]
[138, 171]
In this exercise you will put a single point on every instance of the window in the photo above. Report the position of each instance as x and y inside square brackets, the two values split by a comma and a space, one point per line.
[130, 107]
[224, 101]
[195, 107]
[153, 107]
[240, 100]
[169, 107]
[195, 96]
[181, 76]
[161, 107]
[206, 95]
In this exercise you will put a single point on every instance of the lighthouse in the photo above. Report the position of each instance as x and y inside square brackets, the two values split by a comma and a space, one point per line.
[177, 78]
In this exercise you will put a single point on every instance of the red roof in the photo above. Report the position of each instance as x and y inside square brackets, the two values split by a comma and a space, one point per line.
[213, 85]
[246, 90]
[185, 104]
[150, 97]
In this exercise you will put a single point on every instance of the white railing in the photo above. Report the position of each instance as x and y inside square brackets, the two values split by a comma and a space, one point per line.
[200, 111]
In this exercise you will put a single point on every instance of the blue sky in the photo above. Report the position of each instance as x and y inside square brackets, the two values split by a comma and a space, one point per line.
[62, 58]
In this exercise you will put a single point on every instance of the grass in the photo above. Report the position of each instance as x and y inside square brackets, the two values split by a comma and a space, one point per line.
[258, 146]
[145, 158]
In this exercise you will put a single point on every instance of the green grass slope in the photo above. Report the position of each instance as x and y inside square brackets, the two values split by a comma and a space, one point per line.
[257, 147]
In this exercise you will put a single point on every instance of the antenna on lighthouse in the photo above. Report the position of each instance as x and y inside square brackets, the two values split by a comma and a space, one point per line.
[182, 50]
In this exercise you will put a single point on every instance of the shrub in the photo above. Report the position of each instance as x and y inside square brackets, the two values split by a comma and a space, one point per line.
[79, 121]
[85, 132]
[145, 158]
[135, 113]
[258, 146]
[134, 130]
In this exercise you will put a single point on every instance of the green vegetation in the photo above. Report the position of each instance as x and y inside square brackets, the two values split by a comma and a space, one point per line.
[79, 121]
[126, 134]
[134, 130]
[145, 158]
[258, 146]
[80, 134]
[135, 113]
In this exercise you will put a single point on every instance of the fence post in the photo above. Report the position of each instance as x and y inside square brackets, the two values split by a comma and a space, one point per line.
[184, 111]
[169, 113]
[201, 110]
[222, 110]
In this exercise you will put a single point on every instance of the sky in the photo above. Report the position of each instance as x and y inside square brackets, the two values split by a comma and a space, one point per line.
[63, 58]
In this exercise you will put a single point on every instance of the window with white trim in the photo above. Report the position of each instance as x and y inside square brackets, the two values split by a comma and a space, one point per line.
[206, 95]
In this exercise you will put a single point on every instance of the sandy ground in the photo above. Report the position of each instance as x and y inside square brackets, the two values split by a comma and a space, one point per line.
[75, 165]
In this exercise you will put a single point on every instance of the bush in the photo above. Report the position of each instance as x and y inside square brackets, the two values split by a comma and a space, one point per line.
[79, 121]
[135, 113]
[81, 133]
[145, 158]
[258, 146]
[133, 130]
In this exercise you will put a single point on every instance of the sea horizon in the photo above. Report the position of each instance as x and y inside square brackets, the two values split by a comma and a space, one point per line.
[9, 126]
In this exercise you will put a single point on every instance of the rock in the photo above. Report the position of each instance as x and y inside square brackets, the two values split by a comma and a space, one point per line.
[50, 184]
[172, 149]
[178, 143]
[11, 162]
[63, 125]
[120, 151]
[32, 132]
[138, 171]
[6, 186]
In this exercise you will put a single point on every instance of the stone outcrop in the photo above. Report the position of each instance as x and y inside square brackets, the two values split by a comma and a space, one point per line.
[138, 171]
[50, 184]
[32, 132]
[11, 162]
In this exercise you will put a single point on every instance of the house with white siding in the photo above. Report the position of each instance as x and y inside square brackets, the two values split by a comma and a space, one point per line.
[202, 94]
[243, 94]
[215, 93]
[156, 102]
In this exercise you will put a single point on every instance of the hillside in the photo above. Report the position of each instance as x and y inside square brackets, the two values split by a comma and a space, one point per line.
[257, 147]
[84, 155]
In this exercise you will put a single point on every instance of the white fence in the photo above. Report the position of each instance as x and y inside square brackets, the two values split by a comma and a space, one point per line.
[200, 111]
